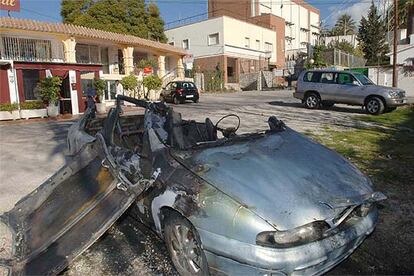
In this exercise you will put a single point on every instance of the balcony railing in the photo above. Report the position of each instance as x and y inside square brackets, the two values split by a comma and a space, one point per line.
[25, 49]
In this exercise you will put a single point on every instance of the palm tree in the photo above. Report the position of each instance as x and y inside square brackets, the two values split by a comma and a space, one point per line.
[344, 25]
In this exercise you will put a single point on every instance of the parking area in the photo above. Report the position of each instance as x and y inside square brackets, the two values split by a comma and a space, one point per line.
[29, 153]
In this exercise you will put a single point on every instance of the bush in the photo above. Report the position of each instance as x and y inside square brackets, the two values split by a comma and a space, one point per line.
[100, 88]
[152, 82]
[129, 82]
[144, 63]
[214, 81]
[9, 107]
[32, 105]
[49, 89]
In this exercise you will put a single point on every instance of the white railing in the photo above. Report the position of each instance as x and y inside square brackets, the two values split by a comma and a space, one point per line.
[25, 49]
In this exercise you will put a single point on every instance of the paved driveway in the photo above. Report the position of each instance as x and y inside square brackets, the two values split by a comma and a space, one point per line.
[30, 153]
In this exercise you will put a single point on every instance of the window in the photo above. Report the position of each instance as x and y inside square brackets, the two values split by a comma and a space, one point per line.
[312, 77]
[328, 78]
[268, 47]
[344, 78]
[26, 49]
[105, 60]
[213, 39]
[87, 53]
[258, 44]
[247, 42]
[186, 44]
[363, 79]
[110, 91]
[30, 80]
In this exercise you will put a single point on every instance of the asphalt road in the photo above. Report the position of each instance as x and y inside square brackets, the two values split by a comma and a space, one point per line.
[31, 152]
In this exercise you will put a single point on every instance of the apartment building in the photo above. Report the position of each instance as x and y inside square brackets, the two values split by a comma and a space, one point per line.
[296, 20]
[231, 45]
[31, 50]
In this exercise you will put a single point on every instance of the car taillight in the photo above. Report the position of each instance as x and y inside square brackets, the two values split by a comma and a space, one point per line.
[179, 90]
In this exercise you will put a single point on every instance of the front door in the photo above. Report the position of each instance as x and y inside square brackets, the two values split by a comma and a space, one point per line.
[65, 100]
[350, 91]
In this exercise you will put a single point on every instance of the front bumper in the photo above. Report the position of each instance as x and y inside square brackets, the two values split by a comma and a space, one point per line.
[396, 102]
[233, 257]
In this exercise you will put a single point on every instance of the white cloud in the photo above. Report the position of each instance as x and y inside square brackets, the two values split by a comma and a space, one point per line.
[356, 11]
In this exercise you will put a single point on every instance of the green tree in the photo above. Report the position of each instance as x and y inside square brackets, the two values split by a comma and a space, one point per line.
[344, 25]
[155, 24]
[132, 17]
[372, 38]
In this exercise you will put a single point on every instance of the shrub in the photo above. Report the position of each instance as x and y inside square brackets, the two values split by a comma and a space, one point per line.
[129, 82]
[9, 107]
[49, 89]
[152, 82]
[100, 88]
[144, 63]
[32, 105]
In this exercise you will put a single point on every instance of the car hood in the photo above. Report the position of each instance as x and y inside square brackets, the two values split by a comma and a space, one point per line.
[285, 178]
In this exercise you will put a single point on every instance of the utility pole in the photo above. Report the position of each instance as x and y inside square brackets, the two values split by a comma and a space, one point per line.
[394, 54]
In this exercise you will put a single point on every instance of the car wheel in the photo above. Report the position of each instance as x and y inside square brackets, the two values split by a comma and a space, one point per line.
[374, 106]
[196, 101]
[312, 101]
[176, 100]
[184, 246]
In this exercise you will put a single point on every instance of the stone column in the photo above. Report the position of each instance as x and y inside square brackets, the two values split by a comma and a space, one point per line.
[69, 50]
[180, 69]
[128, 55]
[161, 66]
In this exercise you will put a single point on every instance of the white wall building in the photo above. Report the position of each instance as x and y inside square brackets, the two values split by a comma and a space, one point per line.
[235, 45]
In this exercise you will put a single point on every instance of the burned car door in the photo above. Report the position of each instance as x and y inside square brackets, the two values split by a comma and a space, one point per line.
[71, 210]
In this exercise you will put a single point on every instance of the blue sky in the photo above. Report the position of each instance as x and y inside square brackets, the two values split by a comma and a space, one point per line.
[49, 10]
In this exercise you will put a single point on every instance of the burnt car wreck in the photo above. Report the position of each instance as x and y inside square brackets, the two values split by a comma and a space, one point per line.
[261, 203]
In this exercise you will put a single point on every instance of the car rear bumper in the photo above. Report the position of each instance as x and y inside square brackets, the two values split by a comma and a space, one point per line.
[298, 95]
[233, 257]
[188, 97]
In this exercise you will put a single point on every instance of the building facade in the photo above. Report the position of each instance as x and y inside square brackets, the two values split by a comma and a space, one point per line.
[296, 20]
[31, 50]
[228, 44]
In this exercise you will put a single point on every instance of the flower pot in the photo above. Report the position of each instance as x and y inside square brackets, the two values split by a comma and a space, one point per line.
[100, 107]
[9, 115]
[33, 113]
[52, 110]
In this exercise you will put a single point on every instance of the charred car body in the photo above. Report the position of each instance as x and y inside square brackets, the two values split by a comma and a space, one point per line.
[272, 202]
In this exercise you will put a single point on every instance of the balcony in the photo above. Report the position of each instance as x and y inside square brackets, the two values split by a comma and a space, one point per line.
[24, 49]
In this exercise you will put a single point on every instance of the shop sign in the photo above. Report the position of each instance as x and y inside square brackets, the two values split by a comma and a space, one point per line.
[10, 5]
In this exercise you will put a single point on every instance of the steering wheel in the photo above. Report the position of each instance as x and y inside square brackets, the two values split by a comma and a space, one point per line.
[230, 131]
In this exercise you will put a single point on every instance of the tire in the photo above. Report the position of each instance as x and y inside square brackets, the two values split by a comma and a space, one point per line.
[196, 101]
[312, 101]
[374, 106]
[184, 245]
[176, 101]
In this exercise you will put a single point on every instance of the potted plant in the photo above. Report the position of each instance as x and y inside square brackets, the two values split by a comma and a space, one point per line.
[130, 83]
[49, 89]
[99, 86]
[9, 111]
[153, 84]
[32, 109]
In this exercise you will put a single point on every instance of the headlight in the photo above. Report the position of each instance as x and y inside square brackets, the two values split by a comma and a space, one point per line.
[364, 209]
[394, 94]
[282, 239]
[6, 242]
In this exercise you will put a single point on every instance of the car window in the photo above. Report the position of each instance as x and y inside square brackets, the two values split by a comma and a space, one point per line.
[363, 79]
[328, 77]
[173, 86]
[312, 77]
[344, 78]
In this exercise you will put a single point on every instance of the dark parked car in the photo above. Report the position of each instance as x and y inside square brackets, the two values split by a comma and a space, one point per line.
[180, 91]
[272, 202]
